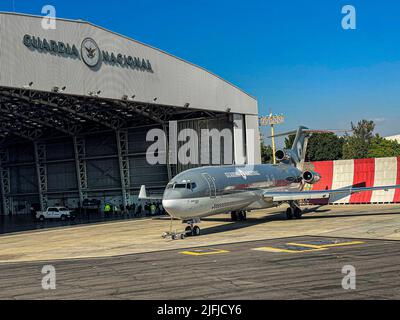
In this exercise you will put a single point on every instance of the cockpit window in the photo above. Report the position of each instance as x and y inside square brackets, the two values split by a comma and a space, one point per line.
[188, 185]
[180, 186]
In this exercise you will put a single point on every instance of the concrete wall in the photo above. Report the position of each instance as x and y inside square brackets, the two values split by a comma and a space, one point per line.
[361, 173]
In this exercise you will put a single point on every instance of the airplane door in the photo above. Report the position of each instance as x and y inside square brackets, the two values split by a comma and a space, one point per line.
[211, 184]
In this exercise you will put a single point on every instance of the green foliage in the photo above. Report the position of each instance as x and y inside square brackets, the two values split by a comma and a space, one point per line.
[289, 141]
[327, 146]
[381, 147]
[363, 130]
[357, 146]
[324, 146]
[354, 148]
[266, 153]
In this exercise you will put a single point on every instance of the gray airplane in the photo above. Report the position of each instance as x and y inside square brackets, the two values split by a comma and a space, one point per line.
[237, 189]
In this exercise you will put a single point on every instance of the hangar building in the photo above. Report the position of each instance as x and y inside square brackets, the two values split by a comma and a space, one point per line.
[76, 103]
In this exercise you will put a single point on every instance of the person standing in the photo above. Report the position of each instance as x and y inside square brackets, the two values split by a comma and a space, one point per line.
[153, 209]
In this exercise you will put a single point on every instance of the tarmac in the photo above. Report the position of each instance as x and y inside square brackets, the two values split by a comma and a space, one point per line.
[265, 257]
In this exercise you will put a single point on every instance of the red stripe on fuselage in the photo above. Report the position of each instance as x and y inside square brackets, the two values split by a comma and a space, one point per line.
[364, 172]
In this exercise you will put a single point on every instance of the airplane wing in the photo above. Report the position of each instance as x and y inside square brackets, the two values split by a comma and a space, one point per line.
[319, 194]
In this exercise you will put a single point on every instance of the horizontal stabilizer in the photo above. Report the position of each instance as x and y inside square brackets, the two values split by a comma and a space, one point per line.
[289, 133]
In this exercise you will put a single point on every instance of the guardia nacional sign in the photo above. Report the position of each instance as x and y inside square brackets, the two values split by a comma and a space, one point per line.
[89, 53]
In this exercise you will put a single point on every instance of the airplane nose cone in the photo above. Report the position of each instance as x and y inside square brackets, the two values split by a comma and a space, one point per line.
[170, 206]
[176, 208]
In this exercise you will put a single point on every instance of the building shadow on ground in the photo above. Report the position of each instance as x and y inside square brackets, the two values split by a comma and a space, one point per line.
[280, 215]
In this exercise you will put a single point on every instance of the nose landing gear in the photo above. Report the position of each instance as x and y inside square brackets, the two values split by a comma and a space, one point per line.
[190, 230]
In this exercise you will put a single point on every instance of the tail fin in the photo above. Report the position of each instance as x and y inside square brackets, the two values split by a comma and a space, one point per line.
[297, 153]
[299, 146]
[142, 192]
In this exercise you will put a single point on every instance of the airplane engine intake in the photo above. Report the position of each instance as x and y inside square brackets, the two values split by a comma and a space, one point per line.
[311, 177]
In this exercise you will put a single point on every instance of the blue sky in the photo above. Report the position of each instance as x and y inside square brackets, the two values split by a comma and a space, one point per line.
[293, 55]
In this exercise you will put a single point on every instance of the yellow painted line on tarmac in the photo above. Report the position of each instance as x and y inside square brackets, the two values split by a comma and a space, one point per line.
[313, 246]
[339, 244]
[292, 247]
[202, 252]
[273, 249]
[342, 244]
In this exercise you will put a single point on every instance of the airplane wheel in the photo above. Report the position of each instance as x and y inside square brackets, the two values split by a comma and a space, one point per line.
[196, 231]
[242, 215]
[234, 216]
[174, 237]
[182, 236]
[297, 213]
[289, 213]
[188, 231]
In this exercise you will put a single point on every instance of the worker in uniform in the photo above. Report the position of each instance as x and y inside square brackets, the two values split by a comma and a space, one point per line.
[107, 209]
[152, 209]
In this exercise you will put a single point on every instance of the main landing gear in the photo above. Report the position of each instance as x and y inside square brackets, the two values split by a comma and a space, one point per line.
[192, 229]
[238, 215]
[293, 211]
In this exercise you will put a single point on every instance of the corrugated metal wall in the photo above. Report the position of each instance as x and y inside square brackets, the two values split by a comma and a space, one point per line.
[219, 123]
[173, 81]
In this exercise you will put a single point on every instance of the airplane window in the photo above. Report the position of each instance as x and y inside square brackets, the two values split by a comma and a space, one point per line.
[180, 186]
[190, 186]
[170, 186]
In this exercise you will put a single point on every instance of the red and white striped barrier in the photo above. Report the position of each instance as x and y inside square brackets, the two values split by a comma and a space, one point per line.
[358, 173]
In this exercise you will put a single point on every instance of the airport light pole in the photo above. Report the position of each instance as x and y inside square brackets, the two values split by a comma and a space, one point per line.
[272, 120]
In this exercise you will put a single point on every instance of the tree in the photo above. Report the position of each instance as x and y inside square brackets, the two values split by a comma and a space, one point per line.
[357, 145]
[363, 130]
[381, 147]
[266, 152]
[324, 146]
[289, 141]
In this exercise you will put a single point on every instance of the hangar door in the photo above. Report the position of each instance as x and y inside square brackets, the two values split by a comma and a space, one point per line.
[202, 149]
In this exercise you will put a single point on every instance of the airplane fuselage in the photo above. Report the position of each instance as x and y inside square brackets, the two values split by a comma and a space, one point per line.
[205, 191]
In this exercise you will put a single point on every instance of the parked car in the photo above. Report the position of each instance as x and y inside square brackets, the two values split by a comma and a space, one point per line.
[61, 213]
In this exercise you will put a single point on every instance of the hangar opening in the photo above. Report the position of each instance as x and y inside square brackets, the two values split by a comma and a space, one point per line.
[73, 128]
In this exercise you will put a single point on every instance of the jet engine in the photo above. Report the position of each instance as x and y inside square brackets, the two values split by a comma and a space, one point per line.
[286, 156]
[311, 177]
